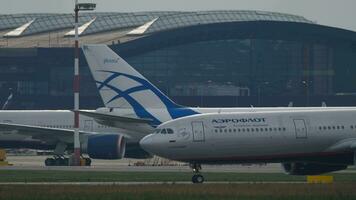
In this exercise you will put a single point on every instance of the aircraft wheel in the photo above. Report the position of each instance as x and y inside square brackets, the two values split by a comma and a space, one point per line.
[198, 178]
[87, 161]
[58, 162]
[49, 162]
[65, 161]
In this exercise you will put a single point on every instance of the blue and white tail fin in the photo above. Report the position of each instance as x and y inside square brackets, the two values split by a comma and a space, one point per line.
[121, 86]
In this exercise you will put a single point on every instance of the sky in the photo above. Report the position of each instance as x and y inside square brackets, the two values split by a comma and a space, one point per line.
[336, 13]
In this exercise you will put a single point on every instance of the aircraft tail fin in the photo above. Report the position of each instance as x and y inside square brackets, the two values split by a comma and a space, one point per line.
[119, 84]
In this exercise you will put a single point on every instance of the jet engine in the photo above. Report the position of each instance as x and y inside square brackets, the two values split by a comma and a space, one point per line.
[299, 168]
[105, 146]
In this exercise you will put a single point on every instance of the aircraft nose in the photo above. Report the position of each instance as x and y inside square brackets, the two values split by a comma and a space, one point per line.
[147, 143]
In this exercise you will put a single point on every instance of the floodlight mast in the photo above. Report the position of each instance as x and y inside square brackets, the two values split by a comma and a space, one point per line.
[76, 81]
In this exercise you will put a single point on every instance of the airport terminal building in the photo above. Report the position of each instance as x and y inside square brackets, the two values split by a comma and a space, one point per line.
[204, 58]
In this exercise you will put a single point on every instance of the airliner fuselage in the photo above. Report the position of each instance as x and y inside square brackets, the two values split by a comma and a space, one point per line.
[321, 136]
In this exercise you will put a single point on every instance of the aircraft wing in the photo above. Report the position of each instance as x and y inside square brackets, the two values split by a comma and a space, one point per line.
[41, 133]
[126, 123]
[113, 118]
[344, 145]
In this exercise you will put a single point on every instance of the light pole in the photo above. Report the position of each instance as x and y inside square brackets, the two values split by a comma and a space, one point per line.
[78, 7]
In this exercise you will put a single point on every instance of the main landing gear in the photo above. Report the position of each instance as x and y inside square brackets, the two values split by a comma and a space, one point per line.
[60, 160]
[87, 161]
[197, 177]
[64, 161]
[57, 161]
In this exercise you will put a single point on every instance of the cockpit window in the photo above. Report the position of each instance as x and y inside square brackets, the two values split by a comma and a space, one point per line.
[164, 131]
[169, 131]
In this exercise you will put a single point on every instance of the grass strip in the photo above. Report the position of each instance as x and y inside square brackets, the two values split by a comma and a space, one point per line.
[90, 176]
[183, 192]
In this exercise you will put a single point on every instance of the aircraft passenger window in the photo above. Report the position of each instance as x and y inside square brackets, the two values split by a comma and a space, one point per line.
[342, 127]
[170, 131]
[163, 131]
[333, 127]
[266, 129]
[252, 129]
[338, 127]
[248, 130]
[284, 129]
[221, 131]
[239, 130]
[270, 129]
[329, 127]
[352, 127]
[235, 130]
[257, 130]
[275, 129]
[319, 127]
[243, 130]
[216, 130]
[280, 129]
[324, 127]
[225, 130]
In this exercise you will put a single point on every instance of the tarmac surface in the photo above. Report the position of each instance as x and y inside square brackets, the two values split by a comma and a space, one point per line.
[128, 165]
[37, 163]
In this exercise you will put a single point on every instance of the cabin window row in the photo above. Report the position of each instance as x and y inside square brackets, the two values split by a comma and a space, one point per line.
[57, 126]
[67, 126]
[103, 126]
[333, 127]
[234, 130]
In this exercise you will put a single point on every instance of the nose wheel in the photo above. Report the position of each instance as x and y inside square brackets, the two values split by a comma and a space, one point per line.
[197, 177]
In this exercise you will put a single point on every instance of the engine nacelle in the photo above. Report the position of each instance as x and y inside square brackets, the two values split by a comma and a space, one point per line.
[310, 168]
[106, 146]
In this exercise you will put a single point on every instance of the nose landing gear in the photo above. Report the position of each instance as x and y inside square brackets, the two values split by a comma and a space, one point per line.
[197, 177]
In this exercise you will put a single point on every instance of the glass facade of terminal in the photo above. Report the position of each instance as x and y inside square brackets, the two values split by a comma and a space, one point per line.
[225, 72]
[251, 67]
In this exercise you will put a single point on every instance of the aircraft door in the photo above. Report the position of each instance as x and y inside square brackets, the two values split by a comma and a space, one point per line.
[88, 125]
[198, 132]
[300, 129]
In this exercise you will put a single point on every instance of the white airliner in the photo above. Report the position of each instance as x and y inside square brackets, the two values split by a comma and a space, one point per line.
[305, 142]
[53, 129]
